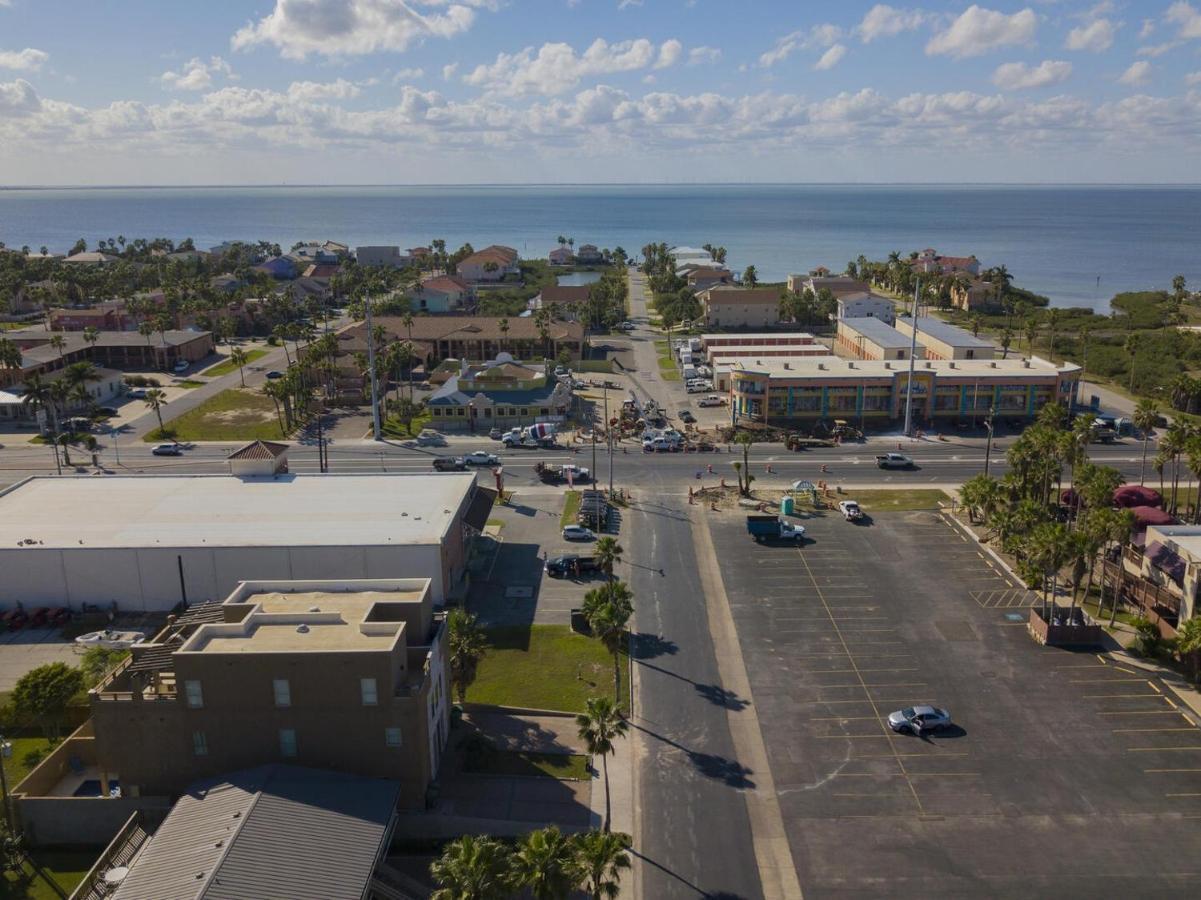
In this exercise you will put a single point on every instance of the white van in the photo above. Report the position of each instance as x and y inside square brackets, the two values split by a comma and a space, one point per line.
[690, 373]
[694, 344]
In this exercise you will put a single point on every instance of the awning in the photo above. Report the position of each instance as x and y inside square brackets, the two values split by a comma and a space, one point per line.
[480, 508]
[1167, 561]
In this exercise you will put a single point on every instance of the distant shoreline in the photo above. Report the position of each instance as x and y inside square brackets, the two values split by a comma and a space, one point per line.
[1099, 185]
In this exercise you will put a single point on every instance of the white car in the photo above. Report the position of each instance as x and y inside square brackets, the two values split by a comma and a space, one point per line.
[850, 510]
[919, 719]
[578, 533]
[626, 326]
[481, 458]
[428, 436]
[111, 640]
[578, 473]
[711, 400]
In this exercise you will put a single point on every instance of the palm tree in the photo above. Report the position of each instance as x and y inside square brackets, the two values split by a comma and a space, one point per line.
[467, 647]
[1131, 345]
[1031, 331]
[1050, 547]
[10, 355]
[471, 868]
[275, 391]
[155, 399]
[1052, 321]
[975, 322]
[59, 343]
[1188, 644]
[981, 493]
[1146, 416]
[600, 726]
[1006, 340]
[37, 395]
[607, 610]
[543, 863]
[600, 858]
[91, 336]
[237, 356]
[750, 277]
[608, 554]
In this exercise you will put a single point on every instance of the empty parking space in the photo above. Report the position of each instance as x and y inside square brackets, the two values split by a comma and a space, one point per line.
[1049, 748]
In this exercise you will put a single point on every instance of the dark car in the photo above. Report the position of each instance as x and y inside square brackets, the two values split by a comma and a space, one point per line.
[562, 566]
[449, 463]
[273, 374]
[688, 417]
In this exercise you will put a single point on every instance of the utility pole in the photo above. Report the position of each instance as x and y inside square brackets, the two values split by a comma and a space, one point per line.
[609, 436]
[375, 427]
[992, 411]
[912, 350]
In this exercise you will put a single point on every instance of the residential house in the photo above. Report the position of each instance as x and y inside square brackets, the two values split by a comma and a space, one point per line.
[727, 306]
[109, 316]
[930, 262]
[473, 337]
[387, 257]
[860, 305]
[312, 252]
[701, 278]
[108, 386]
[321, 270]
[498, 394]
[441, 294]
[492, 263]
[589, 255]
[568, 299]
[91, 259]
[281, 268]
[837, 285]
[226, 283]
[976, 294]
[561, 256]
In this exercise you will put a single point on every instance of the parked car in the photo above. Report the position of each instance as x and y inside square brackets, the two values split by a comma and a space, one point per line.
[109, 411]
[496, 434]
[137, 394]
[274, 374]
[481, 458]
[919, 719]
[687, 416]
[181, 366]
[850, 510]
[711, 400]
[626, 326]
[562, 566]
[578, 533]
[167, 450]
[449, 464]
[111, 640]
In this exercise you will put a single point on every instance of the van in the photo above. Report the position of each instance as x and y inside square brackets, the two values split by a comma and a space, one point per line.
[690, 373]
[694, 344]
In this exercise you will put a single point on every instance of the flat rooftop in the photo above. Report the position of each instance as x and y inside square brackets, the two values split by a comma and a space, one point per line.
[148, 511]
[877, 332]
[758, 336]
[832, 367]
[945, 332]
[352, 604]
[1186, 537]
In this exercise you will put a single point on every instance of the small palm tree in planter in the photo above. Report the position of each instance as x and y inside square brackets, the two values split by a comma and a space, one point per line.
[471, 868]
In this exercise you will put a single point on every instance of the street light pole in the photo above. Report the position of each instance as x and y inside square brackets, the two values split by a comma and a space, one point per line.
[375, 426]
[992, 411]
[912, 350]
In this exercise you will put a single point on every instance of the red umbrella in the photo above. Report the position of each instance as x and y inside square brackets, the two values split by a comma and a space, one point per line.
[1128, 496]
[1151, 515]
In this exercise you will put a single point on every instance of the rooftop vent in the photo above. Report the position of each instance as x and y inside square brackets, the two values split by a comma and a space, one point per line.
[952, 364]
[302, 628]
[993, 364]
[887, 365]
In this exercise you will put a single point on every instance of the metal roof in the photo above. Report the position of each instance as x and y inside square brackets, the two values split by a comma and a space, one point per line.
[944, 332]
[879, 333]
[273, 831]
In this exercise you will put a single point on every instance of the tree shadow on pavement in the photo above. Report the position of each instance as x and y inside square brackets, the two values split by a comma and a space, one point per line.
[714, 693]
[650, 646]
[719, 768]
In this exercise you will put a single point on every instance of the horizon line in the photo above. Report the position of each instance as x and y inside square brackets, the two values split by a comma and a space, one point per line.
[596, 184]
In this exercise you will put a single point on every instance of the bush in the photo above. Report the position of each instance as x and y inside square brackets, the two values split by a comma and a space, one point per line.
[1147, 641]
[141, 381]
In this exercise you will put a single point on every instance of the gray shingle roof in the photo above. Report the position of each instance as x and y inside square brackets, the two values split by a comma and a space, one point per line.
[273, 831]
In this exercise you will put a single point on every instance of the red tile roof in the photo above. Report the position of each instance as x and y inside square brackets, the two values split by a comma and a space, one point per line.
[445, 284]
[260, 450]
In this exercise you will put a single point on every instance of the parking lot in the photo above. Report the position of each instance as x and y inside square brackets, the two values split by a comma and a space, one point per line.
[1065, 774]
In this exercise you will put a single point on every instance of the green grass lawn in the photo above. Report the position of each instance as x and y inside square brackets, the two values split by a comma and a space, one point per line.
[895, 501]
[392, 426]
[595, 365]
[571, 508]
[233, 415]
[190, 383]
[27, 753]
[564, 766]
[224, 368]
[66, 867]
[544, 667]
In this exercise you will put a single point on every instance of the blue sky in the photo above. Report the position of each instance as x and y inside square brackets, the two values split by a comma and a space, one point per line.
[442, 91]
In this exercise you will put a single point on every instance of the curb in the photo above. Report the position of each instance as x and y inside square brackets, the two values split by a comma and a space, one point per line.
[971, 535]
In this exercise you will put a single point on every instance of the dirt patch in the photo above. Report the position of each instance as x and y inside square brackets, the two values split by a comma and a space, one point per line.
[239, 416]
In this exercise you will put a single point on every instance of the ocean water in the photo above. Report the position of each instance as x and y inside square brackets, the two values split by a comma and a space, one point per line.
[1077, 245]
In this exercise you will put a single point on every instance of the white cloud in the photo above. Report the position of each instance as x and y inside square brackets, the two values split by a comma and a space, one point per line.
[1154, 50]
[700, 55]
[626, 4]
[1139, 73]
[315, 91]
[18, 98]
[27, 60]
[196, 74]
[978, 31]
[831, 58]
[1192, 79]
[556, 68]
[1187, 17]
[449, 71]
[820, 36]
[886, 21]
[1017, 76]
[1096, 36]
[402, 75]
[1147, 30]
[669, 54]
[356, 27]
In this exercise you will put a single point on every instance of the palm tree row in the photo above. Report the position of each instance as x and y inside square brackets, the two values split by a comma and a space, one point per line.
[544, 864]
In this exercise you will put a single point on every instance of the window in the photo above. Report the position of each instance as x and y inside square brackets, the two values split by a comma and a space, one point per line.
[287, 742]
[200, 744]
[194, 694]
[392, 737]
[369, 690]
[283, 692]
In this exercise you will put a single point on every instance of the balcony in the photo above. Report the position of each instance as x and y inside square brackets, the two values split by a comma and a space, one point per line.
[120, 853]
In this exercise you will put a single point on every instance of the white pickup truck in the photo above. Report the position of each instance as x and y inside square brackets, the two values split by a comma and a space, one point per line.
[894, 461]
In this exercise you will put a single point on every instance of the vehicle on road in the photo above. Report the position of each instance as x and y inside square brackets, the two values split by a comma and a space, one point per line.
[109, 411]
[894, 461]
[687, 417]
[496, 434]
[181, 366]
[449, 464]
[551, 474]
[711, 400]
[763, 527]
[626, 326]
[578, 533]
[850, 510]
[274, 374]
[800, 442]
[562, 566]
[481, 458]
[136, 393]
[919, 719]
[427, 436]
[167, 450]
[541, 434]
[111, 640]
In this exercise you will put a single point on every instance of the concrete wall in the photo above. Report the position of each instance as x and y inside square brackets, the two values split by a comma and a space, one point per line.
[79, 821]
[148, 579]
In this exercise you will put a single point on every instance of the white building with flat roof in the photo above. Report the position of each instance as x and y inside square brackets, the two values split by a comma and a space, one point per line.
[149, 542]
